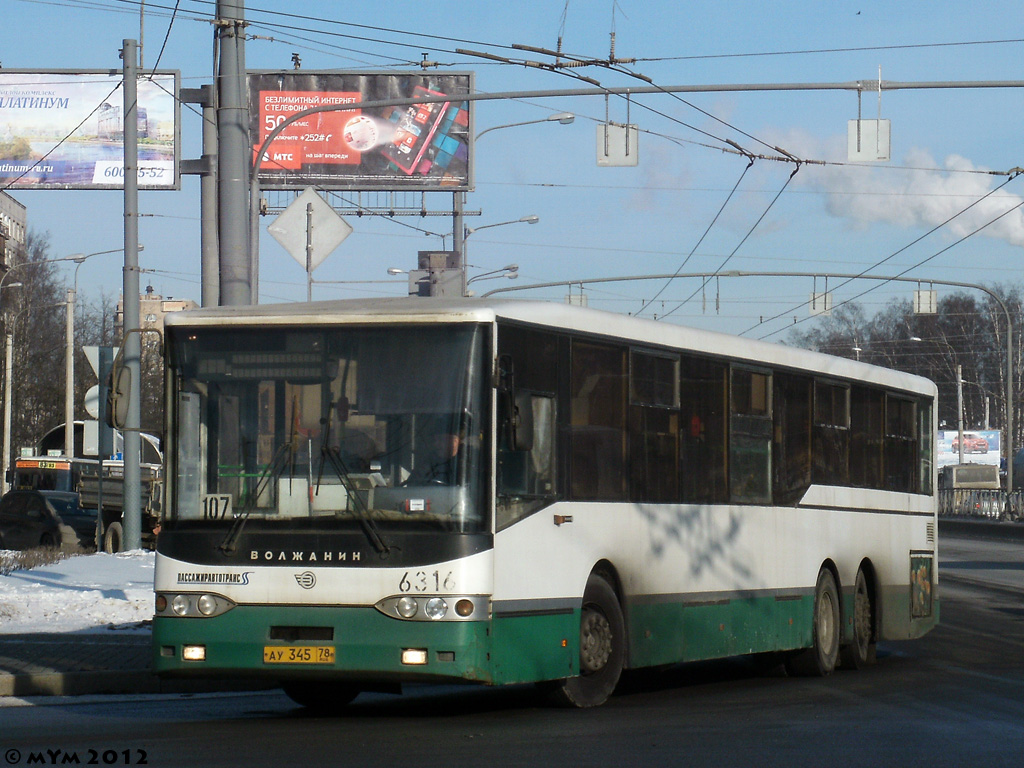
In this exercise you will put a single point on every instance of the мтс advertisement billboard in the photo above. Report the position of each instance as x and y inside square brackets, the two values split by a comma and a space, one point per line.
[65, 130]
[418, 147]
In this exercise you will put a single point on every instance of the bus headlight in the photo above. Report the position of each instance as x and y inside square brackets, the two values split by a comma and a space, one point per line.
[180, 605]
[190, 605]
[407, 607]
[207, 605]
[436, 607]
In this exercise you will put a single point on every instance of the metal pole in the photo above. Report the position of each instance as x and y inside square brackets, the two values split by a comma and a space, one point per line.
[69, 374]
[309, 251]
[459, 235]
[9, 360]
[131, 340]
[236, 267]
[960, 413]
[209, 239]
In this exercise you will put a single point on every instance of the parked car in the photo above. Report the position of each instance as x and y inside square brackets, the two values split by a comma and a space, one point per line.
[45, 519]
[973, 443]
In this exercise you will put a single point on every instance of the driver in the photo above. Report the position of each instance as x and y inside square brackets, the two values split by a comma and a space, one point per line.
[438, 462]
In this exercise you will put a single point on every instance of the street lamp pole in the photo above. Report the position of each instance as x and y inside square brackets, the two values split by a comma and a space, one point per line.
[69, 350]
[531, 219]
[8, 359]
[959, 396]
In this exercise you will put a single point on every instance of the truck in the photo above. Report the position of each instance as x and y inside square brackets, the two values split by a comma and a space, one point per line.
[99, 485]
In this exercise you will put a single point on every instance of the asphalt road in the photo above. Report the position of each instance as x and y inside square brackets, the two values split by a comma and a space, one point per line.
[953, 698]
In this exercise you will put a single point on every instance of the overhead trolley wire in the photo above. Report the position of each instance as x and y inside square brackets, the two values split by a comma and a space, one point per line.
[876, 265]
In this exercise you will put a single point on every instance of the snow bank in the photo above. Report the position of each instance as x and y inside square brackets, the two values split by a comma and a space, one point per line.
[82, 593]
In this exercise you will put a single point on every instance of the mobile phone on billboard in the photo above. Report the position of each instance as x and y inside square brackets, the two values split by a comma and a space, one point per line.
[415, 127]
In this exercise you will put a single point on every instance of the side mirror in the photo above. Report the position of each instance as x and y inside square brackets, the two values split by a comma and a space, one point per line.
[522, 422]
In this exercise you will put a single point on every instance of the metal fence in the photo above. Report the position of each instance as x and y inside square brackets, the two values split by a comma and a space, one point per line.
[985, 504]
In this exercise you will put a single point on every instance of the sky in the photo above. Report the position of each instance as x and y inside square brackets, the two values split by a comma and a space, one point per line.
[691, 205]
[82, 594]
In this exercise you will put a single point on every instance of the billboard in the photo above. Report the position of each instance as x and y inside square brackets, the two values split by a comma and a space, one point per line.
[65, 130]
[981, 446]
[419, 147]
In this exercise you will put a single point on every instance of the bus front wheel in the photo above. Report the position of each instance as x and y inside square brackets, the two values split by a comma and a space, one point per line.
[820, 659]
[602, 648]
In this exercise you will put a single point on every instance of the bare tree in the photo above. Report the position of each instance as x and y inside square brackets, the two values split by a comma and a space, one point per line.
[34, 313]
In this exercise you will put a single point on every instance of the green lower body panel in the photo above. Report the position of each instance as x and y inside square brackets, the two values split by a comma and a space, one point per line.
[538, 647]
[668, 632]
[367, 645]
[900, 618]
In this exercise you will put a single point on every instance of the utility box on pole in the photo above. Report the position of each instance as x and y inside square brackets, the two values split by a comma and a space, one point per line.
[439, 274]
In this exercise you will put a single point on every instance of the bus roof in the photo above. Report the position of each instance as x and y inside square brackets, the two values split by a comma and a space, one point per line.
[638, 331]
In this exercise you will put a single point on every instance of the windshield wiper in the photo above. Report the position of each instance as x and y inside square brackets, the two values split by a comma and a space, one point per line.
[273, 470]
[333, 456]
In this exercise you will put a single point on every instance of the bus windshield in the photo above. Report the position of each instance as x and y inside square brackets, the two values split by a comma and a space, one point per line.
[329, 426]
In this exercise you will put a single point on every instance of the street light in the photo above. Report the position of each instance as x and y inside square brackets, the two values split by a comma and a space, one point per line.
[531, 219]
[511, 272]
[562, 118]
[459, 230]
[959, 397]
[69, 355]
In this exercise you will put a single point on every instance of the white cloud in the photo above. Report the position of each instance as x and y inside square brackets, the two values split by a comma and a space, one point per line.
[922, 192]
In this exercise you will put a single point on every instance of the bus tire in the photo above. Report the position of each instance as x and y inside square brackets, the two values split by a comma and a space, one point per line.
[320, 696]
[47, 541]
[820, 659]
[113, 538]
[861, 652]
[602, 648]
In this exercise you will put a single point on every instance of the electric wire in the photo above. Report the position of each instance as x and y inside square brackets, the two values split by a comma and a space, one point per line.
[738, 245]
[701, 240]
[891, 256]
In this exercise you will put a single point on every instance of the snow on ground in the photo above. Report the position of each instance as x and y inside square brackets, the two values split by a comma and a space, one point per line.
[81, 593]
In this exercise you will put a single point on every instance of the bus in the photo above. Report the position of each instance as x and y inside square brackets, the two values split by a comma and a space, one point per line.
[617, 493]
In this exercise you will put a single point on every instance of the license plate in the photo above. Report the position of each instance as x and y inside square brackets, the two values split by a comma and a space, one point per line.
[298, 654]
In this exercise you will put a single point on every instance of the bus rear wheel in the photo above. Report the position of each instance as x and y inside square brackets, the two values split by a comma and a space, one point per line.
[820, 659]
[602, 648]
[861, 653]
[321, 696]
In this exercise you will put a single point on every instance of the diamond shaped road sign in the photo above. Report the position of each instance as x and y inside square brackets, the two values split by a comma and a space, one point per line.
[329, 228]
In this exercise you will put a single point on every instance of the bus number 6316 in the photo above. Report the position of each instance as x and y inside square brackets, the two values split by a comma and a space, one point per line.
[422, 581]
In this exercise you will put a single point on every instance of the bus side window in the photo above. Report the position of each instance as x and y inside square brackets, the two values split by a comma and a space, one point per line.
[526, 479]
[703, 449]
[598, 390]
[831, 435]
[750, 436]
[791, 444]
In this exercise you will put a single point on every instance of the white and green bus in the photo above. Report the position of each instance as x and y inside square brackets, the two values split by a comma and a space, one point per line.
[362, 494]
